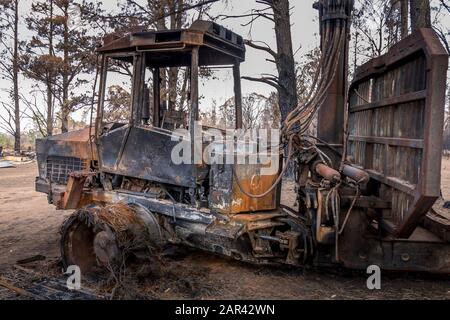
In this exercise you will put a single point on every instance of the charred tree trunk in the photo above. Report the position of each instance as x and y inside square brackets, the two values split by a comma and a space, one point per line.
[175, 23]
[16, 78]
[287, 90]
[355, 53]
[49, 110]
[49, 77]
[285, 82]
[404, 18]
[160, 24]
[173, 81]
[420, 14]
[65, 108]
[184, 89]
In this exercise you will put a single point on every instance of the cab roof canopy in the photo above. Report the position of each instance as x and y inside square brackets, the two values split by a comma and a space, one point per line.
[172, 48]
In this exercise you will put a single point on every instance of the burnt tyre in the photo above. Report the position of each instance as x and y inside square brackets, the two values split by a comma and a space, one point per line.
[102, 237]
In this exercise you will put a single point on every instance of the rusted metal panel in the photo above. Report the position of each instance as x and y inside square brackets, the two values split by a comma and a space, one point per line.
[75, 144]
[61, 154]
[146, 155]
[74, 192]
[226, 196]
[74, 189]
[360, 247]
[395, 126]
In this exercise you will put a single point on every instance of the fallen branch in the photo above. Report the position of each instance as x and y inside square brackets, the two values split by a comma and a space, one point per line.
[265, 80]
[4, 283]
[31, 259]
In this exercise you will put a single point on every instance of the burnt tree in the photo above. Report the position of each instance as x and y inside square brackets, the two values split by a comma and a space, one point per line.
[278, 12]
[404, 8]
[9, 66]
[285, 57]
[420, 14]
[40, 64]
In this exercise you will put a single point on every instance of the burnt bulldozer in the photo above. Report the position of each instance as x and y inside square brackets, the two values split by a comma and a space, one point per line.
[365, 185]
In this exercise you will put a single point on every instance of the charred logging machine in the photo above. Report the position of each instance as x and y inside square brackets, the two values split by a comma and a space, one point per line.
[366, 186]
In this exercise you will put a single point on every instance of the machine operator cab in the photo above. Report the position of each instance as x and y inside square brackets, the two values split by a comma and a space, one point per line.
[145, 58]
[136, 114]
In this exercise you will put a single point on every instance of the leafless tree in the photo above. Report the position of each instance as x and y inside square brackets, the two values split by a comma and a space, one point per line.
[277, 12]
[374, 29]
[9, 67]
[57, 57]
[258, 111]
[420, 14]
[440, 12]
[404, 10]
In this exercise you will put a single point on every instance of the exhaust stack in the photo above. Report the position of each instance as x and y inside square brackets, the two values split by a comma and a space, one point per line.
[334, 17]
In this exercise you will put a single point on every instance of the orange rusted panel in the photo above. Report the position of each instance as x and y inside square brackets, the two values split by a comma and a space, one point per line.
[254, 184]
[231, 185]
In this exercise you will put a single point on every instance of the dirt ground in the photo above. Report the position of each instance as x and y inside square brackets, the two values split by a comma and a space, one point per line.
[29, 226]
